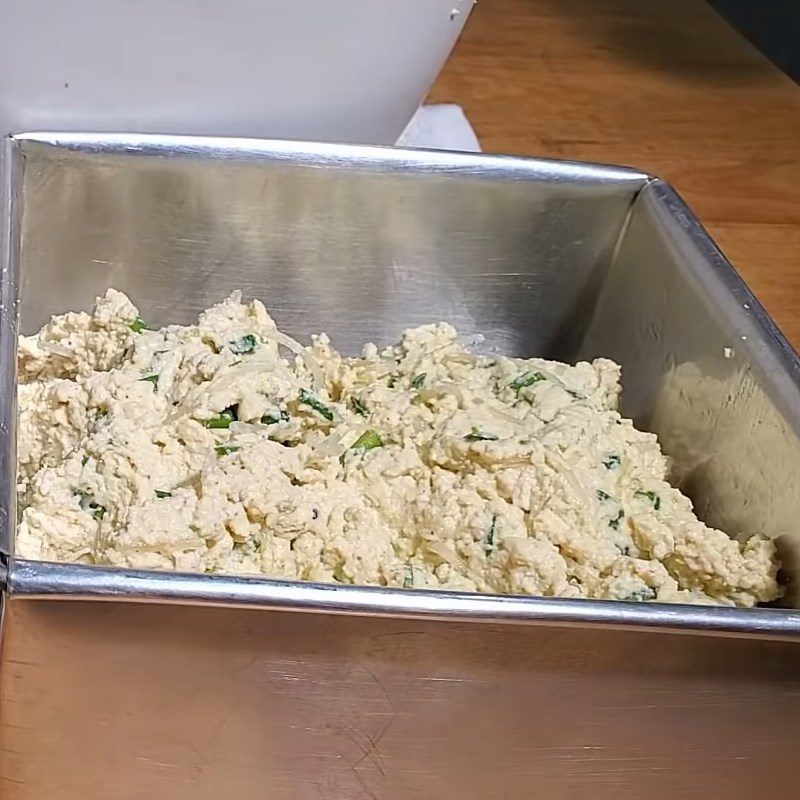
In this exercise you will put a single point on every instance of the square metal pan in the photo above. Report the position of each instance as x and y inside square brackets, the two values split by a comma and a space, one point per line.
[565, 260]
[384, 693]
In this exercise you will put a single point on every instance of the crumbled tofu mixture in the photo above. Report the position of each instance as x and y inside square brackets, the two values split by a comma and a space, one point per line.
[227, 447]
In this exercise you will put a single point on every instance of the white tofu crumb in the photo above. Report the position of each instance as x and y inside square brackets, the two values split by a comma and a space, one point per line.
[204, 448]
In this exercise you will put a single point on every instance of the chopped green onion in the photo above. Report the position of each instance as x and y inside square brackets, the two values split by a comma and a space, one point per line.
[408, 578]
[162, 494]
[246, 344]
[226, 449]
[308, 399]
[603, 496]
[224, 419]
[642, 594]
[612, 462]
[419, 381]
[359, 407]
[152, 379]
[477, 435]
[88, 503]
[651, 496]
[367, 441]
[614, 523]
[138, 325]
[489, 545]
[526, 379]
[274, 419]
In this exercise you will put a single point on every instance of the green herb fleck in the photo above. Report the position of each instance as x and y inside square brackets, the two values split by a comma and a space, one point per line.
[477, 435]
[367, 441]
[138, 325]
[612, 462]
[160, 494]
[274, 419]
[151, 379]
[308, 399]
[408, 578]
[489, 544]
[87, 503]
[614, 523]
[226, 449]
[603, 496]
[246, 344]
[419, 381]
[393, 378]
[359, 407]
[84, 461]
[224, 419]
[642, 594]
[651, 496]
[526, 379]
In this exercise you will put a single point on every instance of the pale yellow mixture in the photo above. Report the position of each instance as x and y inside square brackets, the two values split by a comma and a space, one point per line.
[206, 448]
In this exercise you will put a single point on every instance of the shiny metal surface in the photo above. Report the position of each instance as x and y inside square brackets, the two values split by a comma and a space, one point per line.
[188, 692]
[706, 369]
[45, 581]
[10, 214]
[360, 242]
[567, 260]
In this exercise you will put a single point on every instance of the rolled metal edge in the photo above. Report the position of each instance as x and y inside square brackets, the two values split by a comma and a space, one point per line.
[44, 580]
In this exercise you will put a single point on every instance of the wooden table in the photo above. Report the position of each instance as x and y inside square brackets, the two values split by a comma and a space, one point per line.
[666, 86]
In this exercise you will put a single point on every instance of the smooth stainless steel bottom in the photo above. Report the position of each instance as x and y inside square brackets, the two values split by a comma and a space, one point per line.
[378, 693]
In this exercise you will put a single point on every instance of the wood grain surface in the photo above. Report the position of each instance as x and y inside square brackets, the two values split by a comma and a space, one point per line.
[115, 701]
[667, 87]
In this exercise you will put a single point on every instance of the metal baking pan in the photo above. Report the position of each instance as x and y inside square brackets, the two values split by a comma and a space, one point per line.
[383, 693]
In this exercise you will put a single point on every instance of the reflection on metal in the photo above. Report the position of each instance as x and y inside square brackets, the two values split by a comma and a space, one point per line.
[706, 369]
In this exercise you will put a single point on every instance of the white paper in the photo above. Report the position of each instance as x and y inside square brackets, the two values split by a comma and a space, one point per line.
[440, 127]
